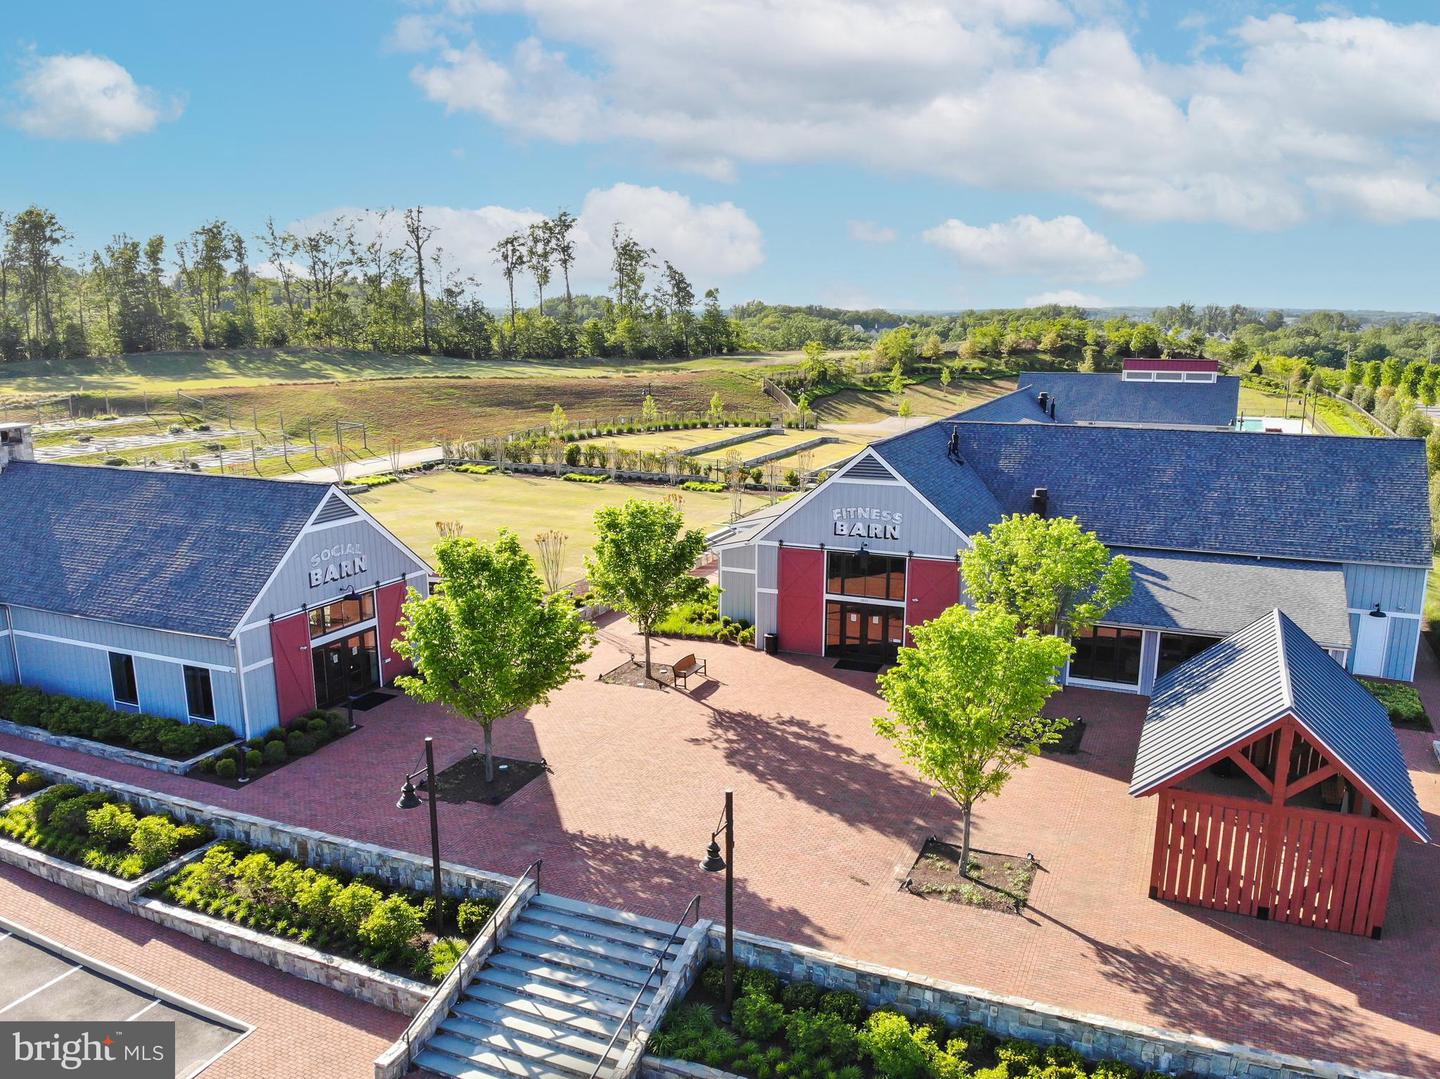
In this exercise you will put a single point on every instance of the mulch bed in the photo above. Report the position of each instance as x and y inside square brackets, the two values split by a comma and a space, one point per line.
[464, 781]
[998, 882]
[254, 775]
[632, 673]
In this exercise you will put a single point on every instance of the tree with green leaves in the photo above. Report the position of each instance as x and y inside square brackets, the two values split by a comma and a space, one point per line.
[488, 642]
[945, 376]
[965, 703]
[560, 226]
[642, 563]
[1047, 572]
[716, 412]
[558, 421]
[510, 254]
[539, 256]
[816, 366]
[649, 412]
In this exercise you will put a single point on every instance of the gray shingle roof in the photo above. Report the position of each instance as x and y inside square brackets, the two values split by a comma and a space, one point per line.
[1221, 594]
[168, 550]
[1108, 398]
[1313, 497]
[1270, 669]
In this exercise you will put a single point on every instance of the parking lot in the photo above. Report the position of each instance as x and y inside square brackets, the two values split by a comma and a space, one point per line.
[40, 980]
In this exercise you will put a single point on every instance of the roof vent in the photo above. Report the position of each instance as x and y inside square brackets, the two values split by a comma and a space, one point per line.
[1040, 501]
[1044, 399]
[1052, 408]
[953, 449]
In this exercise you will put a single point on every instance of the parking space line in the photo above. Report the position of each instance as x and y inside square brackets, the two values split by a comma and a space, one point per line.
[38, 989]
[142, 1011]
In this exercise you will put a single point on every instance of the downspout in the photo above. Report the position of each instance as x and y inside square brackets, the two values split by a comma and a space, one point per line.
[10, 635]
[240, 674]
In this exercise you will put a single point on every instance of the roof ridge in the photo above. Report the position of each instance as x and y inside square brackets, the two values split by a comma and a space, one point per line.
[1282, 645]
[166, 473]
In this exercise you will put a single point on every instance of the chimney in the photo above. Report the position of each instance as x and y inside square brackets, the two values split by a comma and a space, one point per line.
[1040, 501]
[1044, 399]
[1052, 408]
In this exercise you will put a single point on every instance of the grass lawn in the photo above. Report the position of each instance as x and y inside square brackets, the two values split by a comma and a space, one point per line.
[927, 399]
[1332, 417]
[195, 371]
[655, 441]
[524, 504]
[771, 443]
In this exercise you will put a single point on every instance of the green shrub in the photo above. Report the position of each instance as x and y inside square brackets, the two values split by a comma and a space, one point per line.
[5, 780]
[475, 470]
[758, 1016]
[253, 759]
[1402, 703]
[79, 718]
[391, 925]
[1022, 1055]
[275, 752]
[472, 915]
[1115, 1069]
[845, 1005]
[584, 477]
[898, 1051]
[352, 905]
[298, 743]
[225, 768]
[821, 1035]
[336, 724]
[42, 805]
[317, 726]
[702, 485]
[801, 995]
[28, 782]
[374, 481]
[752, 981]
[441, 957]
[156, 840]
[71, 816]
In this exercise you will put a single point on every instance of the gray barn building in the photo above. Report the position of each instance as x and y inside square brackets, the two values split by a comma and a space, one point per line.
[206, 598]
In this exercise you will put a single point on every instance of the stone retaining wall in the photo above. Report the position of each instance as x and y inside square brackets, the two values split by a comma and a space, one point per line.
[77, 878]
[673, 989]
[399, 869]
[109, 752]
[1013, 1017]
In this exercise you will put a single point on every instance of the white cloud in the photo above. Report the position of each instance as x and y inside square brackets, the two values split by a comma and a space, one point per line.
[708, 241]
[1066, 297]
[980, 96]
[1387, 198]
[868, 232]
[84, 96]
[1063, 248]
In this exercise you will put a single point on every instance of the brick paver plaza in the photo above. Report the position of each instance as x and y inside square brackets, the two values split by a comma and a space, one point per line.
[827, 816]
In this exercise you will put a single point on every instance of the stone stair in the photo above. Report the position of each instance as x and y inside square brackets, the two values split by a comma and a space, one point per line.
[551, 995]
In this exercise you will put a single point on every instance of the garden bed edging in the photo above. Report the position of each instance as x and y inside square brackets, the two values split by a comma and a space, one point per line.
[112, 752]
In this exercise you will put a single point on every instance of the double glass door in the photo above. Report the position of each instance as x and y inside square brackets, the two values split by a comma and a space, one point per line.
[348, 666]
[863, 630]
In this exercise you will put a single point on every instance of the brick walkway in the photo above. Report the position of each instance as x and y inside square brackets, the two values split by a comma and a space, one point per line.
[827, 817]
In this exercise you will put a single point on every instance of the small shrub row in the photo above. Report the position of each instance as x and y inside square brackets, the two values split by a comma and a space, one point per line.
[374, 481]
[77, 718]
[802, 1031]
[100, 831]
[350, 916]
[585, 477]
[311, 731]
[707, 486]
[475, 470]
[701, 620]
[15, 781]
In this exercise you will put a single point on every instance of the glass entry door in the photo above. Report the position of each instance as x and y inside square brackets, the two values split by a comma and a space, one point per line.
[348, 666]
[863, 631]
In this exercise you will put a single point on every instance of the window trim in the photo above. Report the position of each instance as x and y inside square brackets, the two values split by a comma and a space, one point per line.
[1121, 631]
[360, 596]
[902, 570]
[195, 717]
[119, 704]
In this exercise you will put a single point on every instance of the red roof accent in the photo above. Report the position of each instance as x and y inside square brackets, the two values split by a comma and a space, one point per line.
[1142, 363]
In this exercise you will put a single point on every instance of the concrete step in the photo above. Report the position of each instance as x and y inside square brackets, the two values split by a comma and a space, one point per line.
[557, 956]
[575, 941]
[495, 1066]
[482, 995]
[601, 930]
[507, 1044]
[575, 980]
[537, 1032]
[563, 994]
[545, 901]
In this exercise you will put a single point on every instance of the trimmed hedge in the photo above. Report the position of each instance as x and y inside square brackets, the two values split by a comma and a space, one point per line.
[585, 477]
[707, 486]
[354, 917]
[99, 831]
[374, 481]
[77, 718]
[475, 470]
[800, 1031]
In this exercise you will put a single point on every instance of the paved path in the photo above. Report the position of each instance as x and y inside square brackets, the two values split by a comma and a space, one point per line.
[828, 816]
[370, 466]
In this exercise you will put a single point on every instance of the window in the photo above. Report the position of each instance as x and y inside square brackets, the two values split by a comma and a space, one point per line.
[870, 576]
[343, 612]
[1169, 376]
[1107, 654]
[1138, 376]
[199, 697]
[1199, 376]
[122, 679]
[1176, 648]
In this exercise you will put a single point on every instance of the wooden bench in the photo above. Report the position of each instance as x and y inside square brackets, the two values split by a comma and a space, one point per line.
[684, 667]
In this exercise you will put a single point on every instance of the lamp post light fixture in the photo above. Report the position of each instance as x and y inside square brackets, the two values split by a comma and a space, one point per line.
[713, 863]
[410, 800]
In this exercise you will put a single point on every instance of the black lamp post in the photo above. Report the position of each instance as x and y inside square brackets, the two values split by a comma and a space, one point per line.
[410, 800]
[713, 863]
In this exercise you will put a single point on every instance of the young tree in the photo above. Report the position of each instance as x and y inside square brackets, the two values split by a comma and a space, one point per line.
[1047, 572]
[551, 545]
[965, 703]
[717, 408]
[642, 561]
[487, 642]
[629, 262]
[945, 376]
[417, 235]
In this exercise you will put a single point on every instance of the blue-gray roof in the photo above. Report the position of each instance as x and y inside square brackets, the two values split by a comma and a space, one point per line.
[1108, 398]
[1221, 594]
[168, 550]
[1234, 690]
[1312, 497]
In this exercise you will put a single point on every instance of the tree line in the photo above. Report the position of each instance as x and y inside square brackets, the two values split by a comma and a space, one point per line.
[330, 286]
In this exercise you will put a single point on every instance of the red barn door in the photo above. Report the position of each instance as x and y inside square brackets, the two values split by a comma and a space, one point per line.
[294, 671]
[801, 619]
[932, 585]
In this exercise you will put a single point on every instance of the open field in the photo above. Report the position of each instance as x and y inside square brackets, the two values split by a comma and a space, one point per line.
[927, 399]
[524, 504]
[165, 372]
[771, 443]
[1332, 417]
[656, 441]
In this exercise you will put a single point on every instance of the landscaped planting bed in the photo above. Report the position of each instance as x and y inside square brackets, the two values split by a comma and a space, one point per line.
[99, 831]
[77, 718]
[351, 917]
[701, 620]
[15, 781]
[1402, 702]
[267, 752]
[802, 1031]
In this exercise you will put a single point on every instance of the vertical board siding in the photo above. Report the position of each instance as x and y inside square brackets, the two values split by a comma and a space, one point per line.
[802, 600]
[263, 712]
[1398, 590]
[388, 601]
[1302, 866]
[737, 595]
[294, 669]
[932, 586]
[920, 530]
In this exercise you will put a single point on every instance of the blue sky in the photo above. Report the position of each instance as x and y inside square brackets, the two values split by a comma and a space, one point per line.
[853, 152]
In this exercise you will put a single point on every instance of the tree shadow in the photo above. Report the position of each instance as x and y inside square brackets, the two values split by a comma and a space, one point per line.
[1112, 730]
[796, 757]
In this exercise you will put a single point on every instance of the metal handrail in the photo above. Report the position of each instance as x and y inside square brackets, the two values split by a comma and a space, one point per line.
[460, 963]
[630, 1011]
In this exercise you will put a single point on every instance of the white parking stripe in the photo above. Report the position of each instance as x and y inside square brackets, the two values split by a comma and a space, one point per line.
[142, 1011]
[41, 989]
